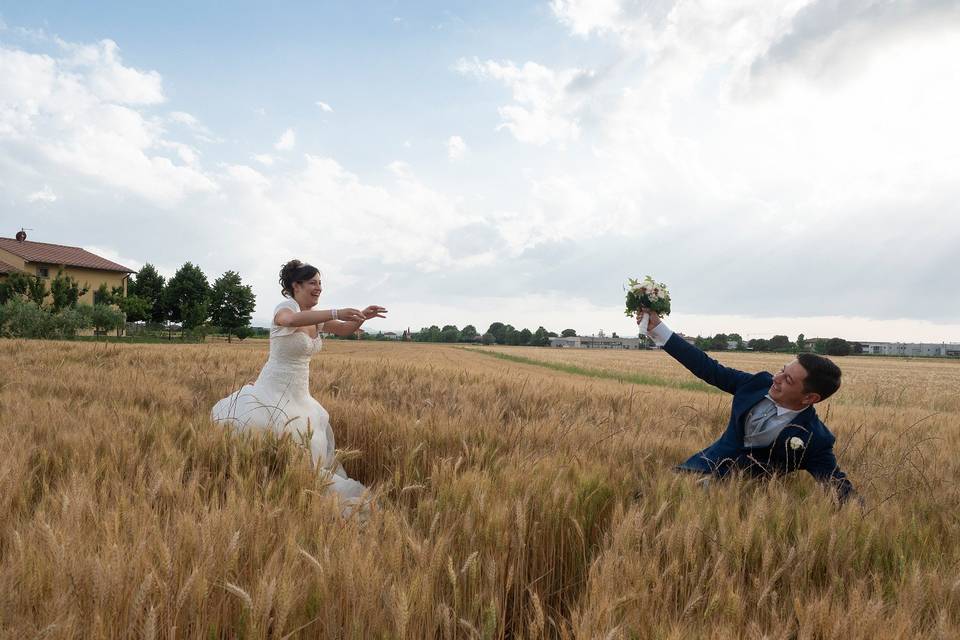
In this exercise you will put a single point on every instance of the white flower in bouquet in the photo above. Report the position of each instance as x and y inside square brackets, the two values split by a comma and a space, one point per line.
[647, 294]
[795, 443]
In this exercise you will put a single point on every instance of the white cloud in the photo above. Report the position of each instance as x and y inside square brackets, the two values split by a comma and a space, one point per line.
[816, 173]
[795, 158]
[109, 78]
[113, 255]
[547, 103]
[44, 195]
[456, 148]
[287, 141]
[193, 124]
[80, 115]
[324, 106]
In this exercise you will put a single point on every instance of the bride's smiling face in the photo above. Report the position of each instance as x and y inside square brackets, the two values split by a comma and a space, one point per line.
[307, 293]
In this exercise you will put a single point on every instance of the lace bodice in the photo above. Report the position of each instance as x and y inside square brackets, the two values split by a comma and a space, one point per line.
[288, 367]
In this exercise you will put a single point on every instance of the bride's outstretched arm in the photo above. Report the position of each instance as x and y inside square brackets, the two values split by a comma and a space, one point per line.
[341, 327]
[291, 318]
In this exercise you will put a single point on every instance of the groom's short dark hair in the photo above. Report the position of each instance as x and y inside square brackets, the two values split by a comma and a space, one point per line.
[823, 376]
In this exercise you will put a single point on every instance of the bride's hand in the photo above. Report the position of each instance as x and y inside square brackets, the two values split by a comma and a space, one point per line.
[350, 315]
[374, 311]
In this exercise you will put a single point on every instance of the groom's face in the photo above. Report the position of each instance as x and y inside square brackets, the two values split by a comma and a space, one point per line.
[787, 388]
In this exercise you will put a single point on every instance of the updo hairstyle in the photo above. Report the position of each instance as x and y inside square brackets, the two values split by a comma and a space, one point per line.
[295, 271]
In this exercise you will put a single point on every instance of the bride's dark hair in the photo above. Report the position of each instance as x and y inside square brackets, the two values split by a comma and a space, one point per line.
[295, 271]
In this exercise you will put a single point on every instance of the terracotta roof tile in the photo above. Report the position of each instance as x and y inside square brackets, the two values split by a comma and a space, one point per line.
[45, 253]
[7, 268]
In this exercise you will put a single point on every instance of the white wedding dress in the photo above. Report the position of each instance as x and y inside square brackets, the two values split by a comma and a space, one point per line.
[280, 400]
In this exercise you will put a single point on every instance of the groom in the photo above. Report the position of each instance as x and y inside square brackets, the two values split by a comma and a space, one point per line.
[773, 426]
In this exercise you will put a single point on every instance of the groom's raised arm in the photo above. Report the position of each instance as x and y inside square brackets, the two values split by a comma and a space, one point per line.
[695, 360]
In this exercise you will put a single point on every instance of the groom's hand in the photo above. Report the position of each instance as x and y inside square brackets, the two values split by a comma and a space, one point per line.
[653, 321]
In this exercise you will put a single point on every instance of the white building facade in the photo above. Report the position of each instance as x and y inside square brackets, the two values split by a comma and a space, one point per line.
[919, 349]
[592, 342]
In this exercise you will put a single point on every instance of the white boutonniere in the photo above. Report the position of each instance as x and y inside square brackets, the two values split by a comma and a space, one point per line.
[795, 443]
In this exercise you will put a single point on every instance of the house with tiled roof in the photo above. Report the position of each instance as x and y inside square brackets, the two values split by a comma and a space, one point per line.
[44, 260]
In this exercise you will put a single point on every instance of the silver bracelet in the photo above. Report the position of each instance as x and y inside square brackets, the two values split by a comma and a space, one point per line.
[333, 314]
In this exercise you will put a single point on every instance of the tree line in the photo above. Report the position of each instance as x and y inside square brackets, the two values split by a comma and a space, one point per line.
[28, 308]
[507, 334]
[189, 300]
[497, 333]
[778, 343]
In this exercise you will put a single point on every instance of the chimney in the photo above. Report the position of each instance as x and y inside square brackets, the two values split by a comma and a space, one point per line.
[21, 235]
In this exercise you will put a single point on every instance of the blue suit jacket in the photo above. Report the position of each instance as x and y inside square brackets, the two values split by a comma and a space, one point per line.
[729, 452]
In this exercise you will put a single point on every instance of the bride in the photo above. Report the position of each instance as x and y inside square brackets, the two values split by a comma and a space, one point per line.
[280, 398]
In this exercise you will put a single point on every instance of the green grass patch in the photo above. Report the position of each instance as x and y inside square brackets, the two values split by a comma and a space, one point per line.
[632, 378]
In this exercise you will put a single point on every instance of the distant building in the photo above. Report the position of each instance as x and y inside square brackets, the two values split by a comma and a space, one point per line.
[390, 335]
[596, 342]
[44, 260]
[921, 349]
[918, 349]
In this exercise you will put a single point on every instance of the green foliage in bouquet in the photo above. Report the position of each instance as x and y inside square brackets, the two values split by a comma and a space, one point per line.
[648, 294]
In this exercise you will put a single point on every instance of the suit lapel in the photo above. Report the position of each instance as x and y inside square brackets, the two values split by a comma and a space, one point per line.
[800, 427]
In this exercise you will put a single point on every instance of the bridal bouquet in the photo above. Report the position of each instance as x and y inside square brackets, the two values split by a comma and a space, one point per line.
[647, 294]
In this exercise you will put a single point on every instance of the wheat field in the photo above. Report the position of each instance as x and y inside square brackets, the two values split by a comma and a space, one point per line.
[512, 500]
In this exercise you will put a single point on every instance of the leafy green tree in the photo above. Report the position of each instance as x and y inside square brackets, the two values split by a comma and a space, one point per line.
[68, 322]
[25, 319]
[195, 318]
[105, 318]
[719, 342]
[231, 303]
[737, 338]
[499, 332]
[137, 309]
[468, 333]
[837, 347]
[15, 286]
[568, 333]
[428, 334]
[801, 343]
[149, 285]
[186, 297]
[510, 335]
[102, 295]
[525, 336]
[65, 291]
[37, 291]
[780, 343]
[449, 333]
[488, 338]
[759, 344]
[540, 338]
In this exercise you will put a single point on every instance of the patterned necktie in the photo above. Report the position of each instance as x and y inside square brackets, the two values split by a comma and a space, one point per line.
[764, 410]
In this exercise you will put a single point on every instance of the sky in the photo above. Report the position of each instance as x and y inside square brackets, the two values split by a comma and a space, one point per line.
[784, 166]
